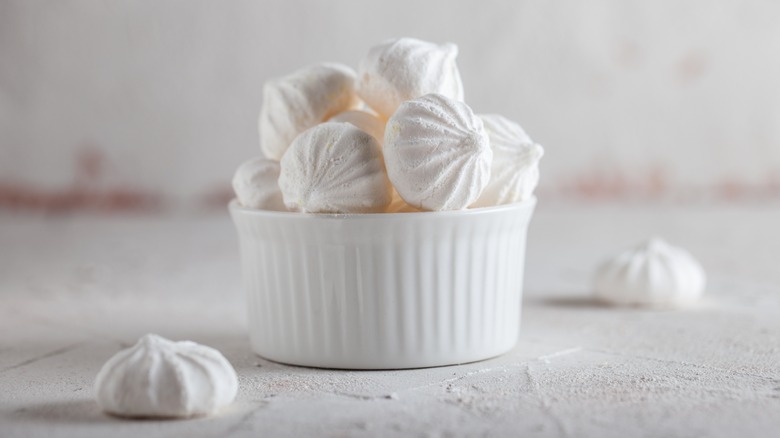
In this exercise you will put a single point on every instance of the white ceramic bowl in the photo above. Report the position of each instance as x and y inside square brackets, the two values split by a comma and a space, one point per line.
[383, 291]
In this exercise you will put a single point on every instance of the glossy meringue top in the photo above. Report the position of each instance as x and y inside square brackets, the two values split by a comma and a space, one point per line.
[514, 172]
[654, 273]
[160, 378]
[406, 68]
[300, 100]
[334, 168]
[437, 153]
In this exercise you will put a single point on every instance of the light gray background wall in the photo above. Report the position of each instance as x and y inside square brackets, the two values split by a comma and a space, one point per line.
[628, 97]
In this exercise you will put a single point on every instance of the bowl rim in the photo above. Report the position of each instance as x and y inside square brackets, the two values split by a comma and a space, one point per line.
[529, 203]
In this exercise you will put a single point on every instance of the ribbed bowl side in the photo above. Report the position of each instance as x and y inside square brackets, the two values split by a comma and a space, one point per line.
[383, 291]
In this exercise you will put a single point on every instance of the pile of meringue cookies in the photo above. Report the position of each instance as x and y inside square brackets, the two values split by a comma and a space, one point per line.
[394, 137]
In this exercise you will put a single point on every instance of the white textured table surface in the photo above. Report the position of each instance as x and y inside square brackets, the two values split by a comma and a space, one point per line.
[74, 290]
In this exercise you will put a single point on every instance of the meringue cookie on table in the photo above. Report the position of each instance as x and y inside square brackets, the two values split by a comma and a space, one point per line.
[654, 273]
[334, 168]
[256, 185]
[300, 100]
[160, 378]
[406, 68]
[363, 120]
[514, 173]
[437, 153]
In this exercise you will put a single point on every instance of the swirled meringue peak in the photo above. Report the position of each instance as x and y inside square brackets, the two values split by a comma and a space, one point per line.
[300, 100]
[437, 153]
[406, 68]
[160, 378]
[334, 168]
[363, 120]
[514, 173]
[255, 184]
[654, 274]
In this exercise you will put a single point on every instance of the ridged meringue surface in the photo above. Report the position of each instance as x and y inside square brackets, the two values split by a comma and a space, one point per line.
[256, 185]
[160, 378]
[654, 273]
[437, 153]
[334, 168]
[300, 100]
[514, 172]
[406, 68]
[364, 121]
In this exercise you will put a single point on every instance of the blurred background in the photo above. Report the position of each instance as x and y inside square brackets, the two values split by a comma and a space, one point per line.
[151, 105]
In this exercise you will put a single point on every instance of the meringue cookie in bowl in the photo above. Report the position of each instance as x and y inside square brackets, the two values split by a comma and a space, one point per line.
[654, 273]
[379, 263]
[255, 184]
[363, 120]
[300, 100]
[514, 173]
[406, 68]
[437, 153]
[334, 168]
[160, 378]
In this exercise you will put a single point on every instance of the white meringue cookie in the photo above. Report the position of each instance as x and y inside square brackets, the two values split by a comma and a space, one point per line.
[653, 274]
[437, 153]
[334, 168]
[364, 121]
[256, 185]
[300, 100]
[160, 378]
[406, 68]
[514, 173]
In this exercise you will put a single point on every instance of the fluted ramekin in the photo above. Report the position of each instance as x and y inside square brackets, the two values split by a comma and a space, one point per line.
[383, 291]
